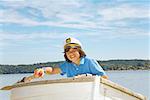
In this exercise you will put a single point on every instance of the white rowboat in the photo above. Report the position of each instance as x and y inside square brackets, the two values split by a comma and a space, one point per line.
[83, 88]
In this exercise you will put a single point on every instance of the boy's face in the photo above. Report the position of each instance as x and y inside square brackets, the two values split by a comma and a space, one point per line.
[73, 54]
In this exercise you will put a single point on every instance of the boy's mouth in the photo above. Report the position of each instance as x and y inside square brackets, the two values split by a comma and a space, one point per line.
[72, 56]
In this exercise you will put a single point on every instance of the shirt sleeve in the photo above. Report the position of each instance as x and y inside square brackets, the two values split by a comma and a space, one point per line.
[63, 68]
[95, 68]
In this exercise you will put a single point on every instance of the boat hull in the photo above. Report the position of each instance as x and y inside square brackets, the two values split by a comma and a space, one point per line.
[84, 88]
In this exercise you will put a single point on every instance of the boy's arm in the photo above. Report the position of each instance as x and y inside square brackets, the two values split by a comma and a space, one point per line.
[40, 73]
[54, 70]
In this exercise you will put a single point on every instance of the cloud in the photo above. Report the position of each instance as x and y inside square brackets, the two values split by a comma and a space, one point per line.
[21, 37]
[100, 21]
[123, 12]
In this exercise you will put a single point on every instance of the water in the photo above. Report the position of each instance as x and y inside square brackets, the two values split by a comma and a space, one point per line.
[138, 81]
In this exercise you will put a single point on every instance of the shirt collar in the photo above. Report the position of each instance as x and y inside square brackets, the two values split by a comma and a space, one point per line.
[82, 60]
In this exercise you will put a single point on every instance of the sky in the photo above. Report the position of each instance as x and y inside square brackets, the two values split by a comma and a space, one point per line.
[34, 31]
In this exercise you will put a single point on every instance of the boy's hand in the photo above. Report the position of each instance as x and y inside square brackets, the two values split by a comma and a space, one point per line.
[48, 70]
[39, 73]
[104, 76]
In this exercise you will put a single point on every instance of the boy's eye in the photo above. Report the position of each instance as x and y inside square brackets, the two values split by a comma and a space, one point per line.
[75, 48]
[67, 49]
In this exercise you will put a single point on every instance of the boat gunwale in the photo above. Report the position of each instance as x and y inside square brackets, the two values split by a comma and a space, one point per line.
[122, 89]
[64, 80]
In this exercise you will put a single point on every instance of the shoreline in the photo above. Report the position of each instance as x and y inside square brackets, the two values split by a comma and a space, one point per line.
[105, 71]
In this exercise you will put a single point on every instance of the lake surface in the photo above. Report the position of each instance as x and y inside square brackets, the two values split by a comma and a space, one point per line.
[138, 81]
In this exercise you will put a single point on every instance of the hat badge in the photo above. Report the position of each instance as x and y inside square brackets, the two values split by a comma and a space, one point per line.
[68, 40]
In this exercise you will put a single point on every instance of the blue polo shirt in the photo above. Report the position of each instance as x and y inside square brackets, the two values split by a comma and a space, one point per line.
[87, 66]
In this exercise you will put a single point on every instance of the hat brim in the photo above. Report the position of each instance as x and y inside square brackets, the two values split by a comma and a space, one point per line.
[71, 45]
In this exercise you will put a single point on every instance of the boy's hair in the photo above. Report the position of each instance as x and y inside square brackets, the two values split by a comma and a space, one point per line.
[81, 52]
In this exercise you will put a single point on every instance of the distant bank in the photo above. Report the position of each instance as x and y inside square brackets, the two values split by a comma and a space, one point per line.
[135, 64]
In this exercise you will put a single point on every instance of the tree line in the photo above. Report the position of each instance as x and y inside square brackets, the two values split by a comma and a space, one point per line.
[106, 65]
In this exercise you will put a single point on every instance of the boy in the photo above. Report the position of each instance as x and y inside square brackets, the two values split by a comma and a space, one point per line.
[76, 63]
